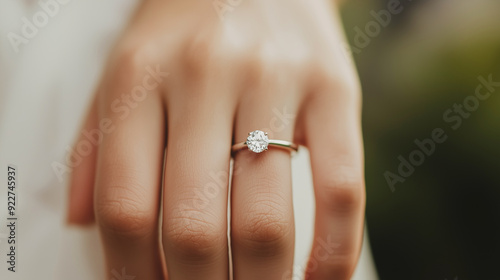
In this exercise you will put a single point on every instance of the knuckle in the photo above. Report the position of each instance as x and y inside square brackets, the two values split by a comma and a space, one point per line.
[343, 190]
[125, 214]
[133, 60]
[263, 233]
[266, 227]
[261, 70]
[194, 235]
[197, 56]
[256, 69]
[325, 81]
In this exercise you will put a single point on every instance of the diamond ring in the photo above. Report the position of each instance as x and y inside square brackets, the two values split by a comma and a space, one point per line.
[258, 142]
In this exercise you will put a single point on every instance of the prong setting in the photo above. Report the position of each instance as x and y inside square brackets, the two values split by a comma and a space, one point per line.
[257, 141]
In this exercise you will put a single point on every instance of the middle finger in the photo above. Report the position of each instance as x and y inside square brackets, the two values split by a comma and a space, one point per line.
[195, 191]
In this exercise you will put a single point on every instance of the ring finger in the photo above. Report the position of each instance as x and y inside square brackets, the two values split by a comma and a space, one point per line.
[262, 222]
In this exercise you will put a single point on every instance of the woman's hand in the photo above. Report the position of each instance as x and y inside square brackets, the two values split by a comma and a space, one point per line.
[196, 77]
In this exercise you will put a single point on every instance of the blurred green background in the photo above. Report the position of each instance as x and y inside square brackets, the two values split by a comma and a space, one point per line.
[443, 221]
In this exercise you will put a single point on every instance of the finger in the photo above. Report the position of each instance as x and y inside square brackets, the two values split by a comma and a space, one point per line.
[333, 135]
[196, 185]
[262, 222]
[128, 178]
[80, 202]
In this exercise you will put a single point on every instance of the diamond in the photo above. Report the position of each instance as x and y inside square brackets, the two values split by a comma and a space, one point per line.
[257, 141]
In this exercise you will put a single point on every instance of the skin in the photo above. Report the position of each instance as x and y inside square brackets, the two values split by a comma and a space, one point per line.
[157, 185]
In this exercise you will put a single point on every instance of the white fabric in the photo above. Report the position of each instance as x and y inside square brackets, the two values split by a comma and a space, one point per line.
[44, 91]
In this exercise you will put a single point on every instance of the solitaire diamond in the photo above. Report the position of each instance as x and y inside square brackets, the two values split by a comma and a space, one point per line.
[257, 141]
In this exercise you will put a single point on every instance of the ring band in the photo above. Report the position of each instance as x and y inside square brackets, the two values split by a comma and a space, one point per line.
[257, 142]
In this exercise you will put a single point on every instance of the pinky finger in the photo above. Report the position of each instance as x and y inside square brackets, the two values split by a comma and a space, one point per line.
[80, 202]
[335, 143]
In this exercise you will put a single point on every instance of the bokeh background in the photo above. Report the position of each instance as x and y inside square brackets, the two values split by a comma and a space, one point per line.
[443, 221]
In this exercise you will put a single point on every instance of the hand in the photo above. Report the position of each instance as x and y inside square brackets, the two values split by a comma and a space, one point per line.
[276, 66]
